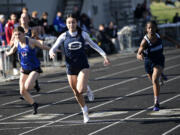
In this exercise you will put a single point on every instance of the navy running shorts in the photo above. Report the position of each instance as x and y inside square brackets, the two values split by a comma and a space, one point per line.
[149, 64]
[75, 70]
[27, 72]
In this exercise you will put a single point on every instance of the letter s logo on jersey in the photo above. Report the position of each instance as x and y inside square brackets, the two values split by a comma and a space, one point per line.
[74, 45]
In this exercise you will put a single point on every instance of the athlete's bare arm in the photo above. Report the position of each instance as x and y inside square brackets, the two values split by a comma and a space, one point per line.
[141, 49]
[12, 50]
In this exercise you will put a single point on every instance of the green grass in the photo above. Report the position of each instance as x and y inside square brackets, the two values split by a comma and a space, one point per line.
[162, 11]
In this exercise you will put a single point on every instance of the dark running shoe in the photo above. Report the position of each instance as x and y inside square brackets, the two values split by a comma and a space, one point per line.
[37, 86]
[156, 107]
[21, 98]
[164, 77]
[35, 107]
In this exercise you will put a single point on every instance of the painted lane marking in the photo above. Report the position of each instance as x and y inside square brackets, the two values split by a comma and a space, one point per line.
[37, 128]
[92, 122]
[100, 89]
[130, 69]
[62, 88]
[40, 116]
[115, 123]
[36, 95]
[169, 131]
[106, 113]
[166, 112]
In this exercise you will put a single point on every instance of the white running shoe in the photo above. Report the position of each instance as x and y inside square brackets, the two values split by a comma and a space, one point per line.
[90, 94]
[15, 71]
[86, 117]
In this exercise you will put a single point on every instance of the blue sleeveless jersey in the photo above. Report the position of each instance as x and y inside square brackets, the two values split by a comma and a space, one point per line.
[74, 51]
[27, 55]
[154, 50]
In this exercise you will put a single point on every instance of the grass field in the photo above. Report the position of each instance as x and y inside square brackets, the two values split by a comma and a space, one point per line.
[162, 11]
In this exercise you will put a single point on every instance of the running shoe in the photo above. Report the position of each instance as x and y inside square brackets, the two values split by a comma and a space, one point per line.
[156, 107]
[164, 77]
[22, 98]
[86, 117]
[161, 81]
[90, 94]
[35, 107]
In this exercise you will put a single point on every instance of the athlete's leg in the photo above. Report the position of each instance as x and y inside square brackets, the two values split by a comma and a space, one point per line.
[30, 82]
[90, 94]
[27, 83]
[23, 90]
[72, 79]
[157, 70]
[149, 76]
[82, 80]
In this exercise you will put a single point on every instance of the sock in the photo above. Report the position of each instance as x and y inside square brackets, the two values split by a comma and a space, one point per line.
[84, 109]
[156, 99]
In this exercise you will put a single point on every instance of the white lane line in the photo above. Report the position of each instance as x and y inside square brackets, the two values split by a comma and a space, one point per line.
[123, 71]
[59, 79]
[67, 87]
[105, 68]
[36, 95]
[130, 69]
[23, 122]
[169, 131]
[115, 123]
[99, 69]
[92, 122]
[98, 106]
[97, 90]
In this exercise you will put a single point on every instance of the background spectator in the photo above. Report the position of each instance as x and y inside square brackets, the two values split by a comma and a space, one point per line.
[112, 33]
[176, 18]
[85, 22]
[104, 40]
[36, 23]
[58, 23]
[2, 30]
[44, 23]
[9, 27]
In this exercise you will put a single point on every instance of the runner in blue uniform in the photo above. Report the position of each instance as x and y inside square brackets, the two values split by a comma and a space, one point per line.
[151, 50]
[73, 41]
[30, 65]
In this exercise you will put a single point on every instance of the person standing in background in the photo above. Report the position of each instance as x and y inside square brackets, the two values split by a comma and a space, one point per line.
[9, 27]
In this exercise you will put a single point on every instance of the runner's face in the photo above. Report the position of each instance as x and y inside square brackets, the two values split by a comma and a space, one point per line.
[151, 29]
[71, 24]
[19, 35]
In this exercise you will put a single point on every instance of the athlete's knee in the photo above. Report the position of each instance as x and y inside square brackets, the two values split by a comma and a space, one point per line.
[155, 81]
[28, 86]
[77, 94]
[81, 90]
[23, 92]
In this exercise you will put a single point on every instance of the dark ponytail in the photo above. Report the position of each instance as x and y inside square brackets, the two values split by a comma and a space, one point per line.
[19, 29]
